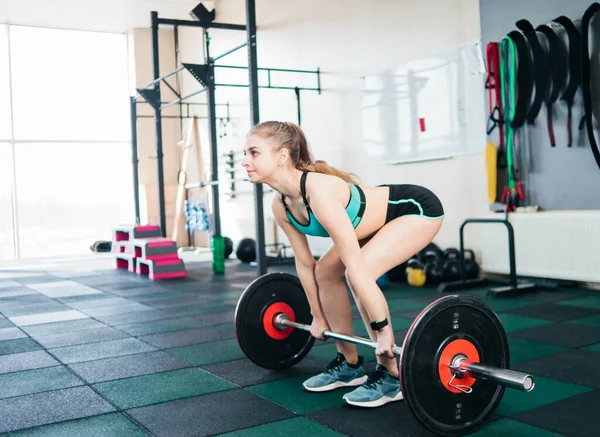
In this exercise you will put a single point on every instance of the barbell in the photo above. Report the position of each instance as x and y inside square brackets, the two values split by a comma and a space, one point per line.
[454, 360]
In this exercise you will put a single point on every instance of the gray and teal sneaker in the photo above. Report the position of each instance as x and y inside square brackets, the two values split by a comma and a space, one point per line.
[337, 374]
[379, 389]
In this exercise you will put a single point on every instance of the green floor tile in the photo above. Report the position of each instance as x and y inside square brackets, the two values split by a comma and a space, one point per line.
[18, 346]
[508, 427]
[593, 348]
[296, 426]
[512, 322]
[5, 323]
[525, 350]
[37, 381]
[290, 394]
[208, 353]
[503, 303]
[401, 305]
[327, 352]
[590, 321]
[586, 302]
[160, 326]
[546, 391]
[161, 387]
[103, 349]
[228, 295]
[106, 425]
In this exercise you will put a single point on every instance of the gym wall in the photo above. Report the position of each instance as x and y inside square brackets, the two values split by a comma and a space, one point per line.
[560, 178]
[348, 40]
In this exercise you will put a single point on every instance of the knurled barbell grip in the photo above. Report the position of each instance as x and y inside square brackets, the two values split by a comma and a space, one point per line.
[281, 321]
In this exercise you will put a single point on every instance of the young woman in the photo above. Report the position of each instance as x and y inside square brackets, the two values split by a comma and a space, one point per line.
[373, 229]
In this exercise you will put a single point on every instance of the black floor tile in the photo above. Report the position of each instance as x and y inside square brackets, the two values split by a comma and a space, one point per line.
[128, 366]
[245, 373]
[575, 366]
[80, 337]
[574, 417]
[391, 419]
[55, 406]
[566, 334]
[554, 312]
[188, 337]
[26, 361]
[38, 279]
[209, 415]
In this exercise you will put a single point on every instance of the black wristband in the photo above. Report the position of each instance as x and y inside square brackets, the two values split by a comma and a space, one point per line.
[377, 326]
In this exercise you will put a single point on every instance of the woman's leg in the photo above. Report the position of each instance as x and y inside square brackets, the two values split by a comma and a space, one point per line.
[329, 274]
[395, 243]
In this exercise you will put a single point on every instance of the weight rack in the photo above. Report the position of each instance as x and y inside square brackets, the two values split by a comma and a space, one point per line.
[205, 74]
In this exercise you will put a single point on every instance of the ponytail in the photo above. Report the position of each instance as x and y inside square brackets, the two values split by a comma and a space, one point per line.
[290, 136]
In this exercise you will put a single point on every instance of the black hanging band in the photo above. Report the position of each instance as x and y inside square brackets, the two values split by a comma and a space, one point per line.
[540, 69]
[574, 68]
[586, 78]
[557, 68]
[524, 79]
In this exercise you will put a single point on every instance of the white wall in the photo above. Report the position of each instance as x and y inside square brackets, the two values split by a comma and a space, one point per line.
[348, 39]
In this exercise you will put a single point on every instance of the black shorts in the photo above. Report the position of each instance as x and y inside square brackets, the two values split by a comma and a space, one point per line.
[412, 200]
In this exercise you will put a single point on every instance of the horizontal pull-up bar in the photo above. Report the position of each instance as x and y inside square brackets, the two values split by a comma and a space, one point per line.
[282, 70]
[203, 24]
[228, 52]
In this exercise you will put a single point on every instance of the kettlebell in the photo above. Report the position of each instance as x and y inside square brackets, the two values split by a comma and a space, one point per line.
[471, 266]
[434, 267]
[415, 273]
[451, 264]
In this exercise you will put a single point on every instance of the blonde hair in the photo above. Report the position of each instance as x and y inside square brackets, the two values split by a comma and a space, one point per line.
[290, 136]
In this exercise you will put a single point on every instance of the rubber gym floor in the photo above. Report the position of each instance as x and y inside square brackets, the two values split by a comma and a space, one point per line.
[91, 351]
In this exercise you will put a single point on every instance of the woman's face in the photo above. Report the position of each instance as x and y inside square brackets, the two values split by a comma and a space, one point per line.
[260, 158]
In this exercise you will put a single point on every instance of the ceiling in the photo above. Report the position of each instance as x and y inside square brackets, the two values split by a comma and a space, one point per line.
[97, 15]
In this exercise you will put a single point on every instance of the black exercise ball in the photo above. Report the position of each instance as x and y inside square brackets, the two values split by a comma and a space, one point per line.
[228, 246]
[246, 250]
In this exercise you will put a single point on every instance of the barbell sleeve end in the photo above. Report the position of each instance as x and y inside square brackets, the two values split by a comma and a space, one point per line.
[506, 377]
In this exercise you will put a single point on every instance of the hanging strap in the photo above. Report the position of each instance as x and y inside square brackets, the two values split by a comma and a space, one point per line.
[557, 77]
[586, 78]
[495, 99]
[574, 68]
[540, 69]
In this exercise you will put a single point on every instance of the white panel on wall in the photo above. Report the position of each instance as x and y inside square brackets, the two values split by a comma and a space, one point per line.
[425, 109]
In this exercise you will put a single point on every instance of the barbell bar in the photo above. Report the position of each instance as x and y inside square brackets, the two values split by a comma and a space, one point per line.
[509, 378]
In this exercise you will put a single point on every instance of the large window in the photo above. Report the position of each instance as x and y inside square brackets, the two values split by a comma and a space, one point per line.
[65, 158]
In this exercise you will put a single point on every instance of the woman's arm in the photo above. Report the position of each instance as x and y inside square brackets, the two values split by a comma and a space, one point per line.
[304, 259]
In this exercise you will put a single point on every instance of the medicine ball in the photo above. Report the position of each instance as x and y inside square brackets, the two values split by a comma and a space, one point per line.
[228, 246]
[246, 250]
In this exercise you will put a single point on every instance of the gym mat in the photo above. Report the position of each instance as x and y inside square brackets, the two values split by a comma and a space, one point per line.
[105, 352]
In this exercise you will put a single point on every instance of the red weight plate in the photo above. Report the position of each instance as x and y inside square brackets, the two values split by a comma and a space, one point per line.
[452, 349]
[269, 320]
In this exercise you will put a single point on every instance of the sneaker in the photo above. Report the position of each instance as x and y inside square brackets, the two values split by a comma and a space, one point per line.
[379, 390]
[337, 374]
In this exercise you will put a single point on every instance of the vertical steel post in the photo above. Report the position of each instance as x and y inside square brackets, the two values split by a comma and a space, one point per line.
[134, 158]
[261, 261]
[158, 128]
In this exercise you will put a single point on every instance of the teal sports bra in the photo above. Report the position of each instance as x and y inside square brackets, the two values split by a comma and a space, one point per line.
[355, 210]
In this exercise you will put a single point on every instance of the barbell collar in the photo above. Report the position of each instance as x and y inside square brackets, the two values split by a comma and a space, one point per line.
[282, 321]
[508, 378]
